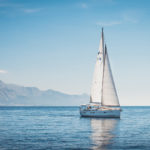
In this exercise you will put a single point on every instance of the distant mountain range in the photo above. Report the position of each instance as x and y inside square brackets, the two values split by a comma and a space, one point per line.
[14, 95]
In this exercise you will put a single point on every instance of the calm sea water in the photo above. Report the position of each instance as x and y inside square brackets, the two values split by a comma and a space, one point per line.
[40, 128]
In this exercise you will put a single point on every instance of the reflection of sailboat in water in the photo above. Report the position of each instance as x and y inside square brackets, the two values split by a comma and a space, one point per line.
[102, 132]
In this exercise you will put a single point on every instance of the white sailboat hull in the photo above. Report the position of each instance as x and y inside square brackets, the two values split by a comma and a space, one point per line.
[100, 113]
[96, 110]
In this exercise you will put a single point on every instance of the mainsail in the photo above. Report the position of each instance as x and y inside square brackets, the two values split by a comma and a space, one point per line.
[96, 89]
[103, 88]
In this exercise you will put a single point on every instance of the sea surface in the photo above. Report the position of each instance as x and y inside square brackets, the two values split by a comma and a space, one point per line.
[62, 128]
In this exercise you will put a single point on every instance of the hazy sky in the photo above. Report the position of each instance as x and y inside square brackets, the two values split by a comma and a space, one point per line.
[52, 44]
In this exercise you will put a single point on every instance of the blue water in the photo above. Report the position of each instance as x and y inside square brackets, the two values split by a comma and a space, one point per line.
[40, 128]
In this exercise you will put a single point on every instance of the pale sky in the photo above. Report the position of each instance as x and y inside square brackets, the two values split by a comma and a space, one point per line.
[52, 44]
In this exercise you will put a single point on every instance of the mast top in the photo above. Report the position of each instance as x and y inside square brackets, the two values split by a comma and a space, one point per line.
[102, 33]
[101, 46]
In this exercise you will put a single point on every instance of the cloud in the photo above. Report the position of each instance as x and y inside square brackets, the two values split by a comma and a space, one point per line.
[125, 18]
[111, 23]
[28, 11]
[3, 71]
[129, 18]
[84, 5]
[10, 9]
[6, 4]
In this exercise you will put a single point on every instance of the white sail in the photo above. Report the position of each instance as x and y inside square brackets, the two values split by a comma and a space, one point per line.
[96, 89]
[109, 94]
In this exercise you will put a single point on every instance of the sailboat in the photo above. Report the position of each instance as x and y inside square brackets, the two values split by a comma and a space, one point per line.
[104, 100]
